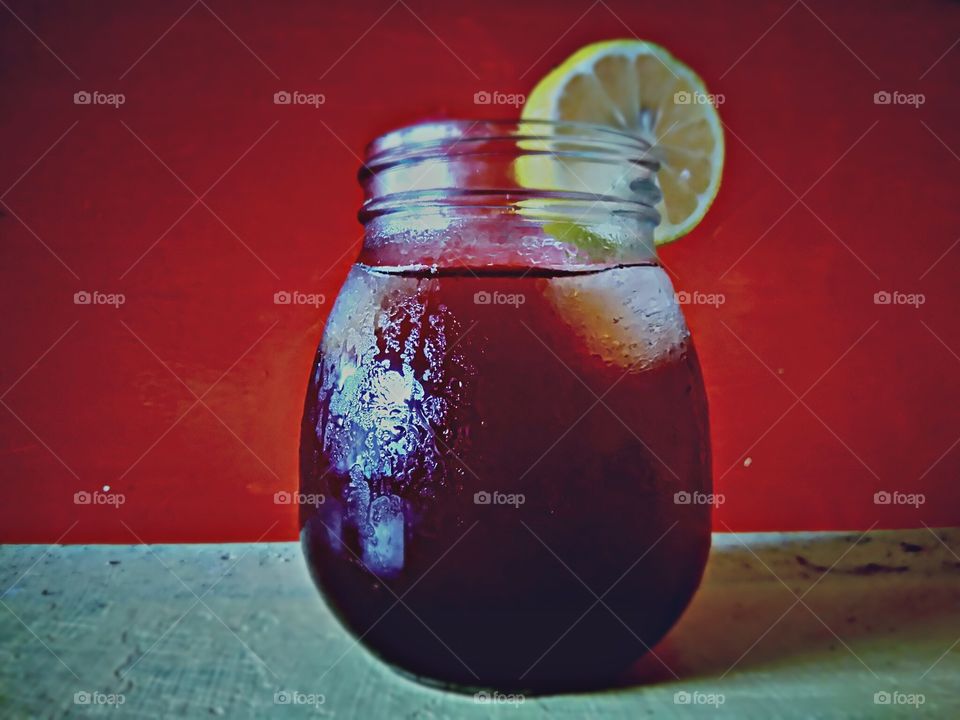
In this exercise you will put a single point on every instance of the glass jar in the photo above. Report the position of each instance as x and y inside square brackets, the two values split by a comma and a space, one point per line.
[506, 425]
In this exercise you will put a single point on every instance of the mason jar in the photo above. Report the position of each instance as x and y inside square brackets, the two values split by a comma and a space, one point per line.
[505, 424]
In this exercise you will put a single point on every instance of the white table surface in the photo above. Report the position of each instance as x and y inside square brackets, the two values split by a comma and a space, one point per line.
[205, 631]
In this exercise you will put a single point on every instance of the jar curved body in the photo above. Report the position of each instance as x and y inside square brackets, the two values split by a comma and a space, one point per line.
[514, 470]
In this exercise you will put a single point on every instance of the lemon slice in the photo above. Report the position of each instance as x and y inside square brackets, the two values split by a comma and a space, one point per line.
[638, 87]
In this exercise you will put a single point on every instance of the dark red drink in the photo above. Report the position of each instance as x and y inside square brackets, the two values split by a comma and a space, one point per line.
[497, 449]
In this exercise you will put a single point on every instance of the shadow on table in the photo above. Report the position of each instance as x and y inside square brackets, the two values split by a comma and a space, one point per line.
[886, 586]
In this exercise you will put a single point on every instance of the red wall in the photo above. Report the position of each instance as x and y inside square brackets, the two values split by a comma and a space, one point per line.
[114, 401]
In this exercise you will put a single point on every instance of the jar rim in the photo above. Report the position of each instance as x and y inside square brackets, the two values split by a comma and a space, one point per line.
[424, 136]
[540, 171]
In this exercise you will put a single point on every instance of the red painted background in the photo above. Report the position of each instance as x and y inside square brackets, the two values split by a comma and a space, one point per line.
[186, 399]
